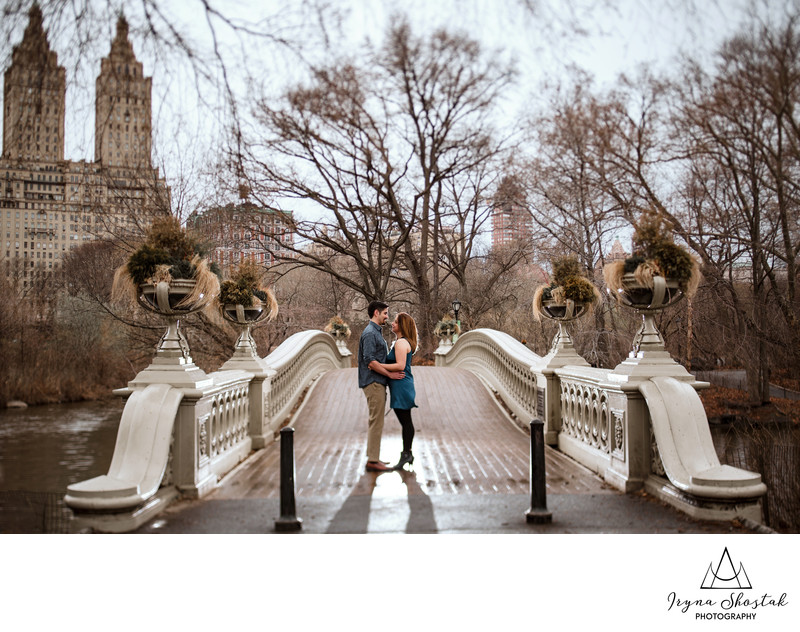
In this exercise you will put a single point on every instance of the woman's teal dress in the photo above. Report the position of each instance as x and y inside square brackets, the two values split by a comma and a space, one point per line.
[402, 392]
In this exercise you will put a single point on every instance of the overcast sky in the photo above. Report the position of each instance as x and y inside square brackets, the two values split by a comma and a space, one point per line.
[605, 37]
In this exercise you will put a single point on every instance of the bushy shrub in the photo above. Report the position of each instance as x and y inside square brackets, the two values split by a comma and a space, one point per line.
[569, 283]
[246, 286]
[654, 254]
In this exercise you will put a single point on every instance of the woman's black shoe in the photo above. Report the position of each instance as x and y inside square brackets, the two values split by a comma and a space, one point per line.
[405, 457]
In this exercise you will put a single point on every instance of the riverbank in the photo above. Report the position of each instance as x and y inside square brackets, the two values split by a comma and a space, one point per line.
[91, 396]
[724, 405]
[763, 439]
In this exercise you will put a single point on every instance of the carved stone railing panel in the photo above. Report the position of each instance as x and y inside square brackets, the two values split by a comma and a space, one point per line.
[604, 425]
[585, 414]
[228, 420]
[211, 432]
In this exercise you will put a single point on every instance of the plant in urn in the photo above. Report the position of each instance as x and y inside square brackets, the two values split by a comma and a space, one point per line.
[658, 274]
[567, 297]
[445, 329]
[245, 301]
[339, 329]
[169, 275]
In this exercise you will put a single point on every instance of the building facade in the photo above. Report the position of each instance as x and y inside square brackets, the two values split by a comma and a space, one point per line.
[49, 204]
[245, 231]
[511, 225]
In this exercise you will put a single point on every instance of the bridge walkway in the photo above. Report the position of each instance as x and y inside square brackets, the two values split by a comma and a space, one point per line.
[470, 474]
[464, 444]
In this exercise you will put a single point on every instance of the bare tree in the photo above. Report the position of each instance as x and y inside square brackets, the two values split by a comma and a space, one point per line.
[390, 151]
[744, 131]
[717, 154]
[572, 210]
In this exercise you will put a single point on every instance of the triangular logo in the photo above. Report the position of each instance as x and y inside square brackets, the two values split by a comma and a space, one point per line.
[726, 576]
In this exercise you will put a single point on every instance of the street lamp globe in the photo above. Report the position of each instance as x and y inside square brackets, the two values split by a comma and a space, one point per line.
[456, 307]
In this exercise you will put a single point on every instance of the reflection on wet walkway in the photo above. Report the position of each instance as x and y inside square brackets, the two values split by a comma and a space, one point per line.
[406, 508]
[464, 444]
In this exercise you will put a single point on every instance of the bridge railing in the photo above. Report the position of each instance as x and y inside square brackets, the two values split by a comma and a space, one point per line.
[182, 429]
[604, 426]
[297, 362]
[639, 425]
[503, 364]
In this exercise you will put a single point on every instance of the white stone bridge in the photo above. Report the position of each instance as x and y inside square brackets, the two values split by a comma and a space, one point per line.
[638, 426]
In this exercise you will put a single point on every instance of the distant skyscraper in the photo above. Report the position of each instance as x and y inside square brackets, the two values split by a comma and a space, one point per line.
[49, 205]
[511, 225]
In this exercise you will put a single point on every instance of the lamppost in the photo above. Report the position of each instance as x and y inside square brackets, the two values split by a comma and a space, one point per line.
[456, 308]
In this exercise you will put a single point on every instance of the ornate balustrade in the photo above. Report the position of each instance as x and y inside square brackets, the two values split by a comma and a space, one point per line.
[640, 425]
[585, 412]
[172, 440]
[296, 363]
[604, 425]
[211, 436]
[504, 364]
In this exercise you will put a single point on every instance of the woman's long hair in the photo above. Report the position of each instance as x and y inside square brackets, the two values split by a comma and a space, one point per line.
[407, 329]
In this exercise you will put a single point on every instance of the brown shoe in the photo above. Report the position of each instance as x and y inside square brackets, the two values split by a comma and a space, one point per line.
[377, 466]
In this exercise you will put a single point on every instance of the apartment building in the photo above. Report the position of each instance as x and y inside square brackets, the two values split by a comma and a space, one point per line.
[245, 231]
[48, 203]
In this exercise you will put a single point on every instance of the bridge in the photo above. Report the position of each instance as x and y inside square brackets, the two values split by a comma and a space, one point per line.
[209, 441]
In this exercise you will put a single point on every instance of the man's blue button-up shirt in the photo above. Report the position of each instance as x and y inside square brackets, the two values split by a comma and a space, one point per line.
[371, 347]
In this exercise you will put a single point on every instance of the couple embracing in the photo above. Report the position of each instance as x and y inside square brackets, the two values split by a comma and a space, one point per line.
[379, 367]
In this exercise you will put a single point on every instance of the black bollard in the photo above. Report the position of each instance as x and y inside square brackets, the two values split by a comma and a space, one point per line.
[288, 522]
[538, 512]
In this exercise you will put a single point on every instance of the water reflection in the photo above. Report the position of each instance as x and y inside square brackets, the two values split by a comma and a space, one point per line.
[45, 448]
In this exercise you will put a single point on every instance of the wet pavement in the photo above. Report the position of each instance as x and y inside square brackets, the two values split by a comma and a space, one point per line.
[478, 514]
[470, 475]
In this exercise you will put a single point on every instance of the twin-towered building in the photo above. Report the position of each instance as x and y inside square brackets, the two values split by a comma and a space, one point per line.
[48, 203]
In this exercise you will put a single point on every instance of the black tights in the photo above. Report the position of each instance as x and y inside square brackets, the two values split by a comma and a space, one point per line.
[404, 415]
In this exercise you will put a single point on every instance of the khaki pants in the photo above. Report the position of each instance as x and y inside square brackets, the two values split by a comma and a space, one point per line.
[376, 403]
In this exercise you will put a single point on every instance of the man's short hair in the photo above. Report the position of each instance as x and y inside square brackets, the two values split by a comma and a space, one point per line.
[376, 306]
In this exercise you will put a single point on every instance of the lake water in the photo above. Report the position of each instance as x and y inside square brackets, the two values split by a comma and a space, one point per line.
[45, 448]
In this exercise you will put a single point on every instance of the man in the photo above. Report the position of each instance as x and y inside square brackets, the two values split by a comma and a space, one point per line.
[373, 379]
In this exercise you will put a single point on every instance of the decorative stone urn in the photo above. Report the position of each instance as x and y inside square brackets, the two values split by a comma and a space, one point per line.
[340, 336]
[244, 318]
[649, 356]
[562, 312]
[169, 300]
[648, 301]
[446, 336]
[446, 330]
[340, 331]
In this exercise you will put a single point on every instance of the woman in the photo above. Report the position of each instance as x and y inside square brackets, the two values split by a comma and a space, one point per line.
[402, 391]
